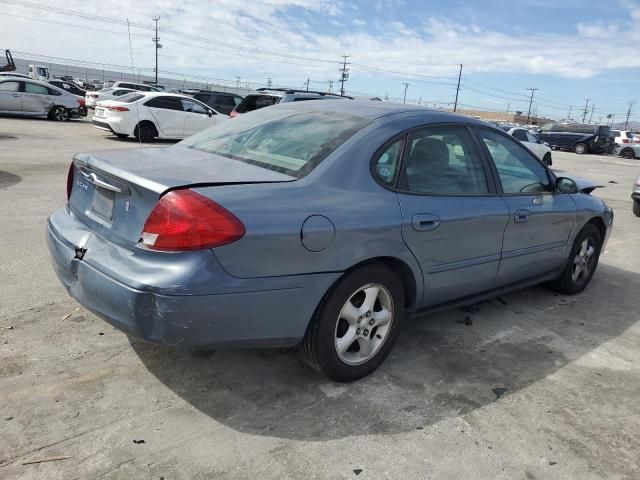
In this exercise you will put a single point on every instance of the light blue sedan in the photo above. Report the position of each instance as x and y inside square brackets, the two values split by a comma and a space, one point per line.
[318, 224]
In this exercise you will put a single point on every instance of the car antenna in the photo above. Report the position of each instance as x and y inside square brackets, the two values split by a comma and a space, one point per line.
[133, 72]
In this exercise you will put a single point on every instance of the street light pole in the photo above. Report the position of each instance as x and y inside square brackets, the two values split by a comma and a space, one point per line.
[156, 40]
[530, 102]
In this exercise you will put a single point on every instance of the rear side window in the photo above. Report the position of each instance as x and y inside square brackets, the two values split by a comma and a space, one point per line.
[9, 87]
[225, 100]
[255, 102]
[34, 88]
[443, 161]
[167, 103]
[203, 97]
[520, 135]
[288, 142]
[386, 165]
[126, 85]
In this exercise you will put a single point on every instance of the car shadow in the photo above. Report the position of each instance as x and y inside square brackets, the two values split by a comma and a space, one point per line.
[8, 179]
[443, 365]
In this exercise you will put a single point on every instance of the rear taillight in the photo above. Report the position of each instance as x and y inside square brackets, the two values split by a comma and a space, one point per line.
[81, 101]
[118, 109]
[186, 220]
[69, 181]
[233, 114]
[625, 140]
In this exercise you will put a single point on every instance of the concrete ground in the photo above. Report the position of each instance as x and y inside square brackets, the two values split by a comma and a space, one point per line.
[538, 386]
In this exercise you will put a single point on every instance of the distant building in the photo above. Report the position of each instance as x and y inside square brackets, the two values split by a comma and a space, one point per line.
[515, 117]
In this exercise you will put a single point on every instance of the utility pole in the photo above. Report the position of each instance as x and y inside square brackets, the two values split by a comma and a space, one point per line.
[406, 85]
[586, 109]
[455, 105]
[307, 84]
[626, 122]
[156, 40]
[508, 106]
[532, 90]
[269, 82]
[344, 73]
[420, 102]
[237, 82]
[612, 116]
[569, 116]
[593, 107]
[330, 85]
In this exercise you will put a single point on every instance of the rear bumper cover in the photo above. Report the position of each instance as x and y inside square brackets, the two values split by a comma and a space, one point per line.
[221, 311]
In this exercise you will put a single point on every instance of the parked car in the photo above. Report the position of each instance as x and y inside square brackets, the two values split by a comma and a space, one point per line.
[106, 94]
[223, 102]
[621, 137]
[629, 151]
[530, 140]
[154, 115]
[73, 89]
[266, 97]
[22, 96]
[244, 234]
[577, 137]
[635, 196]
[134, 86]
[38, 72]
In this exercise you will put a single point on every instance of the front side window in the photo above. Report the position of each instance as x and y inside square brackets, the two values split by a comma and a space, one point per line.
[192, 107]
[255, 102]
[9, 87]
[288, 142]
[443, 161]
[531, 138]
[386, 165]
[518, 170]
[38, 89]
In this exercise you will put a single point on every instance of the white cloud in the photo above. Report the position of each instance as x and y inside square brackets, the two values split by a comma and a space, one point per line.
[292, 27]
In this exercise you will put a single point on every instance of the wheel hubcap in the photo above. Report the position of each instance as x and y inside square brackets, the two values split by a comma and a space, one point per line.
[363, 324]
[583, 261]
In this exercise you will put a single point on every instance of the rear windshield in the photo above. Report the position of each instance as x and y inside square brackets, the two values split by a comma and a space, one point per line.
[289, 142]
[255, 102]
[130, 97]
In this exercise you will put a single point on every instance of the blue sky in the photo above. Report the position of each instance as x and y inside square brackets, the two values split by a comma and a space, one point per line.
[570, 50]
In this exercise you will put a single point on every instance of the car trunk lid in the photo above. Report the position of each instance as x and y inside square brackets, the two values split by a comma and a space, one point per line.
[114, 191]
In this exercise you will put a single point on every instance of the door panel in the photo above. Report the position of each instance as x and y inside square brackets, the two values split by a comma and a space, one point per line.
[540, 221]
[451, 221]
[196, 117]
[168, 115]
[36, 99]
[10, 97]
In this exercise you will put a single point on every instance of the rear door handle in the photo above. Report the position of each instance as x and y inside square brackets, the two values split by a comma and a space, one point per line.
[521, 216]
[16, 94]
[425, 222]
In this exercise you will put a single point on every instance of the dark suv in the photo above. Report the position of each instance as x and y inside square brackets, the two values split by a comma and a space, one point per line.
[578, 137]
[222, 102]
[270, 96]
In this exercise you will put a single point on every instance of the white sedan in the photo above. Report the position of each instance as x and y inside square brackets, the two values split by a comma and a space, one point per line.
[541, 149]
[149, 115]
[92, 98]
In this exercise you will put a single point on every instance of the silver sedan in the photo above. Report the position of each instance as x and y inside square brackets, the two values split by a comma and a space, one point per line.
[21, 96]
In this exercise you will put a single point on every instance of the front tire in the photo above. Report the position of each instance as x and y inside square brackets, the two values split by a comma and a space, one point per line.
[582, 262]
[59, 114]
[636, 208]
[356, 324]
[580, 148]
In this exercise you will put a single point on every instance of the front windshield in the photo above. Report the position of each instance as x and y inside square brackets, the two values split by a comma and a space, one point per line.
[287, 141]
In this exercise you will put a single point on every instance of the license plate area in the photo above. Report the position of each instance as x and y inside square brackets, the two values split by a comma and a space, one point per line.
[99, 112]
[102, 203]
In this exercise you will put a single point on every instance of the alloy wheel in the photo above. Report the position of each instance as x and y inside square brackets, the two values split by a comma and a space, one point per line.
[61, 114]
[363, 324]
[584, 260]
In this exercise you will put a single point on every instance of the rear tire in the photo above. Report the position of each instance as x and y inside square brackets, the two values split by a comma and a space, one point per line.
[582, 262]
[547, 159]
[59, 114]
[580, 148]
[356, 324]
[628, 153]
[145, 132]
[636, 208]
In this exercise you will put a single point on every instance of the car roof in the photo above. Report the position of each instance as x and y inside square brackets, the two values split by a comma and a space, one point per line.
[217, 93]
[371, 110]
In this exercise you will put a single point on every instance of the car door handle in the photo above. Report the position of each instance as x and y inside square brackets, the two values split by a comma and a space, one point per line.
[425, 222]
[521, 216]
[16, 94]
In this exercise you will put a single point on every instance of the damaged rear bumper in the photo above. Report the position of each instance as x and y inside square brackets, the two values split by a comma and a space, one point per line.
[157, 298]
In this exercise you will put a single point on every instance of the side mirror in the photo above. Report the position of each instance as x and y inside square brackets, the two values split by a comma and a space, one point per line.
[210, 113]
[566, 185]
